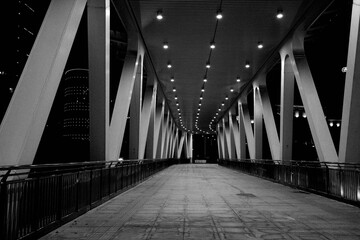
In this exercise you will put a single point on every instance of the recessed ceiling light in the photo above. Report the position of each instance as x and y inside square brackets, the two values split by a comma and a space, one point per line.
[207, 64]
[212, 45]
[238, 79]
[159, 15]
[226, 98]
[247, 64]
[199, 104]
[279, 14]
[177, 104]
[172, 79]
[174, 89]
[201, 98]
[205, 80]
[260, 45]
[222, 104]
[169, 65]
[175, 98]
[231, 89]
[202, 90]
[219, 14]
[166, 45]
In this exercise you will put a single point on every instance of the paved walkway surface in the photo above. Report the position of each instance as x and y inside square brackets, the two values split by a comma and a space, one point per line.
[212, 202]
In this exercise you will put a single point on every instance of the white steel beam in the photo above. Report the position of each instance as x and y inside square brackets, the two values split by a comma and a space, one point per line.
[248, 129]
[286, 108]
[98, 13]
[235, 138]
[319, 129]
[147, 107]
[242, 133]
[258, 125]
[24, 121]
[122, 101]
[349, 150]
[269, 121]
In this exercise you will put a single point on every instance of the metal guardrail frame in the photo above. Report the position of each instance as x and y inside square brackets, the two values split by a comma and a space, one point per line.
[340, 181]
[35, 199]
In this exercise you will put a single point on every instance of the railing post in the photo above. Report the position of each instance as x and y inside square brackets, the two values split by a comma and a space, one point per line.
[90, 194]
[77, 191]
[3, 206]
[60, 197]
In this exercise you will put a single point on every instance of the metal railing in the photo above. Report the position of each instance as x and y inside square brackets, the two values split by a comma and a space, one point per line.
[337, 180]
[36, 199]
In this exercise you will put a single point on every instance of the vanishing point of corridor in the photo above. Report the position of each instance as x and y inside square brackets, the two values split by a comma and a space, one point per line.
[207, 201]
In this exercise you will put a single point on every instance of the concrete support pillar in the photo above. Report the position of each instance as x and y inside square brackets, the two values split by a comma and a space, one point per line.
[349, 150]
[29, 108]
[258, 124]
[242, 133]
[135, 114]
[99, 77]
[286, 108]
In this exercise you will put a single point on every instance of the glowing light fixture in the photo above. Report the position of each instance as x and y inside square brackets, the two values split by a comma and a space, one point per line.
[172, 80]
[174, 89]
[260, 45]
[169, 65]
[166, 45]
[247, 64]
[297, 114]
[226, 98]
[219, 15]
[238, 79]
[205, 80]
[231, 89]
[202, 90]
[159, 15]
[212, 45]
[207, 64]
[280, 14]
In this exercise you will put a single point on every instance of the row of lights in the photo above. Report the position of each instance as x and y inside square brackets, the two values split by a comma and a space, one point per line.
[212, 45]
[260, 45]
[160, 16]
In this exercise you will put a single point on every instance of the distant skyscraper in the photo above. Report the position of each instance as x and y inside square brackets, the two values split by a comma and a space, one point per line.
[76, 105]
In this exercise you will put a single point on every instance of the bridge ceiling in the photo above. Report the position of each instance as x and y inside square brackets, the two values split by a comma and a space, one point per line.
[189, 27]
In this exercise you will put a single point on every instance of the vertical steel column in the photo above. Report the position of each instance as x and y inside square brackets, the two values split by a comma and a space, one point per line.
[99, 77]
[286, 108]
[24, 121]
[258, 124]
[135, 113]
[226, 148]
[160, 109]
[248, 129]
[242, 133]
[349, 150]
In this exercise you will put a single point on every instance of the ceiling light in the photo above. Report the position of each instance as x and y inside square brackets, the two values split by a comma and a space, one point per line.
[174, 89]
[260, 45]
[212, 45]
[238, 79]
[175, 97]
[226, 98]
[247, 64]
[219, 14]
[207, 64]
[166, 45]
[201, 98]
[279, 14]
[199, 104]
[205, 80]
[202, 90]
[169, 65]
[231, 89]
[219, 109]
[159, 15]
[216, 114]
[177, 104]
[172, 80]
[338, 124]
[222, 104]
[331, 124]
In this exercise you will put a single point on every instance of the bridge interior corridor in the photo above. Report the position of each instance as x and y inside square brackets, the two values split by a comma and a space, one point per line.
[208, 201]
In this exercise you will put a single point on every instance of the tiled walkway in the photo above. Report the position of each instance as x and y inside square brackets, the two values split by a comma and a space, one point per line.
[211, 202]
